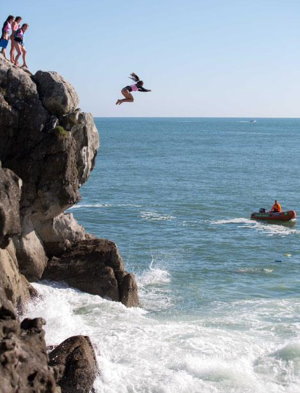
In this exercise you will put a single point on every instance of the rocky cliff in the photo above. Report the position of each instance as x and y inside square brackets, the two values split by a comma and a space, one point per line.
[47, 151]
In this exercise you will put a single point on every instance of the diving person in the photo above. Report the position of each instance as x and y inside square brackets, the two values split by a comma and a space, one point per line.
[126, 91]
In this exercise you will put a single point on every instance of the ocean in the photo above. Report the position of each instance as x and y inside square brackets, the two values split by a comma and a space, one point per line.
[220, 305]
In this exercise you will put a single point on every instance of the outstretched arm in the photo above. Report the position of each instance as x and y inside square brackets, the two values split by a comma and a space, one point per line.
[143, 90]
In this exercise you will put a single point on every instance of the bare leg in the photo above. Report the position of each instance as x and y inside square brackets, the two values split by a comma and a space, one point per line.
[128, 97]
[24, 57]
[19, 51]
[12, 50]
[3, 53]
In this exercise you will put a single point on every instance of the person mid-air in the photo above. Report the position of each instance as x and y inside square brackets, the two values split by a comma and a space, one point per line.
[126, 91]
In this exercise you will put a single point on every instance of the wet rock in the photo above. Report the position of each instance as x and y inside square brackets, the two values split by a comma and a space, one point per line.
[23, 357]
[75, 363]
[94, 266]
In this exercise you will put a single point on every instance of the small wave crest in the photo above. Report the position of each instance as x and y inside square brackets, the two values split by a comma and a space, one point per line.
[154, 216]
[101, 205]
[284, 364]
[246, 270]
[154, 292]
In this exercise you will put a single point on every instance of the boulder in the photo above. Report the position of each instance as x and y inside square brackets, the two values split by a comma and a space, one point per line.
[94, 266]
[76, 365]
[31, 255]
[60, 232]
[58, 96]
[52, 162]
[128, 290]
[23, 356]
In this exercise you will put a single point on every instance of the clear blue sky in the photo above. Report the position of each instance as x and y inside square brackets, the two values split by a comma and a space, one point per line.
[199, 57]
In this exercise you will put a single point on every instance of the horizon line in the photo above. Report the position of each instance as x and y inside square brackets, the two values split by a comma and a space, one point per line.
[195, 117]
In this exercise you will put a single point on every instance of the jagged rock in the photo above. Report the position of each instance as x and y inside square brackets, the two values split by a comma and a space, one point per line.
[10, 193]
[58, 96]
[60, 233]
[16, 288]
[51, 165]
[129, 291]
[30, 252]
[94, 266]
[23, 356]
[76, 364]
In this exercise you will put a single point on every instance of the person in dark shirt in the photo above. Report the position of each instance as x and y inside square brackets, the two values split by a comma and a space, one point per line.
[19, 44]
[126, 91]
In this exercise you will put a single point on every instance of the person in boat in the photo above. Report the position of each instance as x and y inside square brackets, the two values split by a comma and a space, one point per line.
[6, 31]
[19, 44]
[276, 208]
[14, 27]
[126, 91]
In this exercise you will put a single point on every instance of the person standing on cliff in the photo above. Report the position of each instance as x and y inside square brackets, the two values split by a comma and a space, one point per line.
[19, 44]
[6, 30]
[14, 27]
[126, 91]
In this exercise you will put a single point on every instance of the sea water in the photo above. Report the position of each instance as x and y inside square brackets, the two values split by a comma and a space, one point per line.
[220, 306]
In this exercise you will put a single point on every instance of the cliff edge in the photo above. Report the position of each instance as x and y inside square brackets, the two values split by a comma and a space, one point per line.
[47, 151]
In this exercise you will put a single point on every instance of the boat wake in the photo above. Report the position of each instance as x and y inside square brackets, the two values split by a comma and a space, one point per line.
[270, 229]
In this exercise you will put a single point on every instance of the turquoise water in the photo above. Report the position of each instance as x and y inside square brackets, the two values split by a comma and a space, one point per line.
[219, 292]
[179, 193]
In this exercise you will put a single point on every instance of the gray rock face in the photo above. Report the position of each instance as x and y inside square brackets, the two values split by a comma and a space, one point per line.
[94, 266]
[49, 147]
[76, 364]
[23, 357]
[10, 194]
[30, 251]
[51, 163]
[15, 286]
[60, 233]
[57, 95]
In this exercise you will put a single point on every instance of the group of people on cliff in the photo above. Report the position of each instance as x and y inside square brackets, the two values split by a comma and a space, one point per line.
[13, 32]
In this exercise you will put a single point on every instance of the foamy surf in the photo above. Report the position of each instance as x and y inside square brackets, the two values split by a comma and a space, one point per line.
[138, 353]
[154, 292]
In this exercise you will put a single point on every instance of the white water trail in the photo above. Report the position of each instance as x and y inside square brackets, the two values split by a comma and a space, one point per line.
[269, 228]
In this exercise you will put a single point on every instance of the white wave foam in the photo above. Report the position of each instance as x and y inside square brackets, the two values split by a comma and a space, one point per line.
[137, 353]
[154, 293]
[269, 228]
[154, 276]
[154, 216]
[240, 220]
[101, 205]
[255, 270]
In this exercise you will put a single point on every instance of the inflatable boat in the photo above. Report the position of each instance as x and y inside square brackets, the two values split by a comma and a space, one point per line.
[274, 216]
